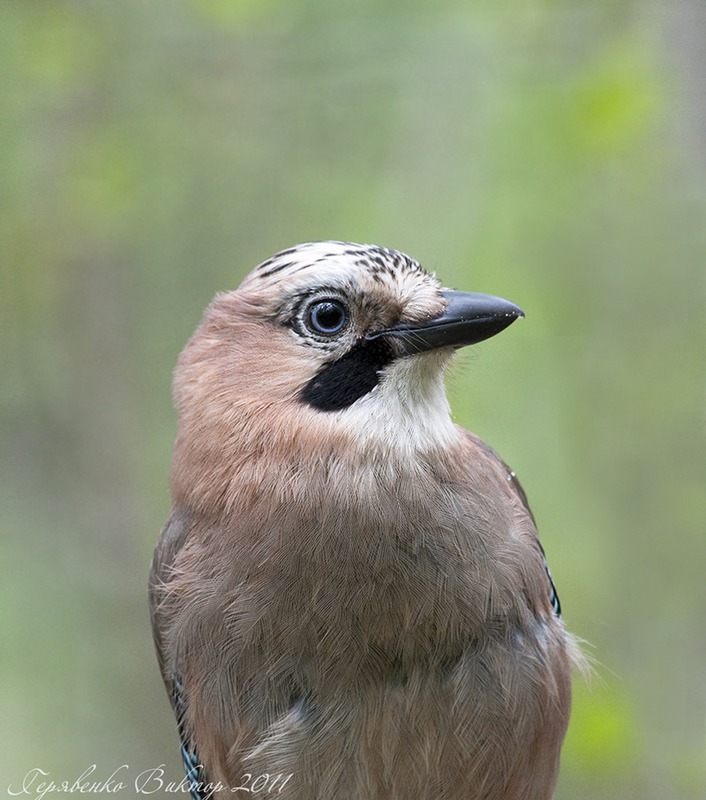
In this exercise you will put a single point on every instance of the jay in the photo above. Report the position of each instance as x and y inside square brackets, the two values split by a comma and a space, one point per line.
[349, 598]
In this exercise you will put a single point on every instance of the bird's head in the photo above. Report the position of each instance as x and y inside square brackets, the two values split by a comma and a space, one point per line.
[328, 340]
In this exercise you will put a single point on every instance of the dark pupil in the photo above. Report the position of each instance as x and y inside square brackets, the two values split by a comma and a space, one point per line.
[327, 317]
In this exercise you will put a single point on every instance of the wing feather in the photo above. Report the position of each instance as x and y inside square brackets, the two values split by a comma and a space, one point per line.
[174, 534]
[520, 492]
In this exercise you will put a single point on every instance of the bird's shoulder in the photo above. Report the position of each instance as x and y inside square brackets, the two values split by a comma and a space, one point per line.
[171, 539]
[476, 447]
[174, 534]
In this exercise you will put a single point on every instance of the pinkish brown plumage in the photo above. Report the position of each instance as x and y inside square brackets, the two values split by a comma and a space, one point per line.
[350, 589]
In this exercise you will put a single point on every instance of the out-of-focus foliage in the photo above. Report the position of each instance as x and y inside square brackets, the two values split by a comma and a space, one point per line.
[553, 152]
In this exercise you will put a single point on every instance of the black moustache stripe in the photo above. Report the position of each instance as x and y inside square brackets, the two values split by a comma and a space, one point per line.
[340, 383]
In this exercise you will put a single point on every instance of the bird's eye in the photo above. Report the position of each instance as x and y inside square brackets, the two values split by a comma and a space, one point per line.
[327, 317]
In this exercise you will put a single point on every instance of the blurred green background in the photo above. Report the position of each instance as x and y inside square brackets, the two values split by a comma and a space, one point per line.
[153, 152]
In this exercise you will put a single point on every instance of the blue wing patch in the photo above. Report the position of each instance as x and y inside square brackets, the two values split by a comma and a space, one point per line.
[553, 596]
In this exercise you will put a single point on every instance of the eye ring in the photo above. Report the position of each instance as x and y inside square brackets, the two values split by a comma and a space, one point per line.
[326, 317]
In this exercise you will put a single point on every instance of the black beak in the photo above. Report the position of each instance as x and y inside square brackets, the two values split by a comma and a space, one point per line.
[467, 319]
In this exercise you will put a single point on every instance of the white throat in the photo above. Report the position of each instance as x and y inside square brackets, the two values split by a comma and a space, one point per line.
[408, 411]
